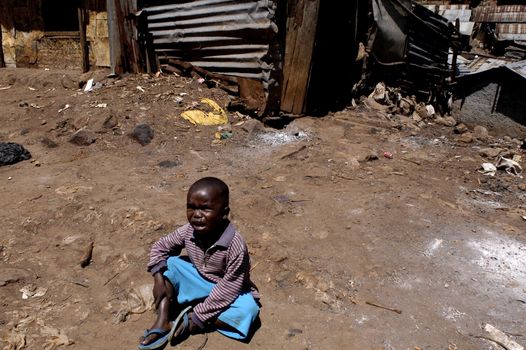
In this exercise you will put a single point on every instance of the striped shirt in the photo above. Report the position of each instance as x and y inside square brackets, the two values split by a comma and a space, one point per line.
[226, 263]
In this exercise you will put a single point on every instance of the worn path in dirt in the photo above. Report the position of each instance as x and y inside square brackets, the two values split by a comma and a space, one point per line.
[330, 230]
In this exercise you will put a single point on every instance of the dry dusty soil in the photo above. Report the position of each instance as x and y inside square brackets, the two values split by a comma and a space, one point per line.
[331, 230]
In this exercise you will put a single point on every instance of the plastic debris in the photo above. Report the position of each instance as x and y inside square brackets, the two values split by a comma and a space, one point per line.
[223, 135]
[138, 301]
[388, 155]
[64, 108]
[216, 115]
[488, 169]
[89, 85]
[430, 110]
[509, 165]
[31, 291]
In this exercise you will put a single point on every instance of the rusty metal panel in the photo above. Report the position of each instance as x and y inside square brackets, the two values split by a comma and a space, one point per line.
[518, 67]
[500, 14]
[452, 12]
[222, 36]
[511, 31]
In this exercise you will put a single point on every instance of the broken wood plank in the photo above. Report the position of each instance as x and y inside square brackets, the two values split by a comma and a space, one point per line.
[302, 22]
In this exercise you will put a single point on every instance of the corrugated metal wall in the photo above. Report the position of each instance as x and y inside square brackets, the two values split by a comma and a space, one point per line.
[227, 37]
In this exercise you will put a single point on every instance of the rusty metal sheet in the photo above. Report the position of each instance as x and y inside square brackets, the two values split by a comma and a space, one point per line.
[518, 67]
[500, 14]
[222, 36]
[452, 12]
[511, 31]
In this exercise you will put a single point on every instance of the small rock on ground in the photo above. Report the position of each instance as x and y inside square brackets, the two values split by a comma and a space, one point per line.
[83, 137]
[11, 153]
[143, 134]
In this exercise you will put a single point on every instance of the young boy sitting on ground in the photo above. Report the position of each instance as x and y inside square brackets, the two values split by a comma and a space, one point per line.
[212, 287]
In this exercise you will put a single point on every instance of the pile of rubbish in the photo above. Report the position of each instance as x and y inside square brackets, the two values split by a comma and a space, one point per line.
[391, 102]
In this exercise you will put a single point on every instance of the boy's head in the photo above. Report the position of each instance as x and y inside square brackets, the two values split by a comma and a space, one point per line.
[207, 206]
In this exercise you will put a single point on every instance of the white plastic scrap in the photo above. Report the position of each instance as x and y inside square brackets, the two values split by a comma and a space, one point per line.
[509, 165]
[430, 110]
[64, 108]
[31, 291]
[89, 85]
[488, 169]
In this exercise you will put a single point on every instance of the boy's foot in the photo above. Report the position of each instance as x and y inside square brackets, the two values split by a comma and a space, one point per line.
[183, 326]
[155, 333]
[155, 338]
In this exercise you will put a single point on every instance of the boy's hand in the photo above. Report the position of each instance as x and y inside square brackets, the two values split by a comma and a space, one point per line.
[159, 288]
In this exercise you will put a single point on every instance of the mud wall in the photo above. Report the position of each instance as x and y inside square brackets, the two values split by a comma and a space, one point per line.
[28, 42]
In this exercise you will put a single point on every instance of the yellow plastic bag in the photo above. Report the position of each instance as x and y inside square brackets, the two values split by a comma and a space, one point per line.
[216, 116]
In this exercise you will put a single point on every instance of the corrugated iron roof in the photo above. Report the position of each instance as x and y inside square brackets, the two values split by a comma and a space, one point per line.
[222, 36]
[518, 67]
[452, 12]
[511, 31]
[500, 14]
[482, 64]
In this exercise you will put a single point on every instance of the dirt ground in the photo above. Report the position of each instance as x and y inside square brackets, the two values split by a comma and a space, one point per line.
[331, 230]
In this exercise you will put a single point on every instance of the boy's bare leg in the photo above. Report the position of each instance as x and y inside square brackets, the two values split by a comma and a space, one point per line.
[163, 315]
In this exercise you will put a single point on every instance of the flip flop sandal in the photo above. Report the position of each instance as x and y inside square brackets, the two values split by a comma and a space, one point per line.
[182, 321]
[160, 342]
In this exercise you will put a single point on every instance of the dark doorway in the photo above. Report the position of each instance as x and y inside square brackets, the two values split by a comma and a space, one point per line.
[341, 26]
[60, 16]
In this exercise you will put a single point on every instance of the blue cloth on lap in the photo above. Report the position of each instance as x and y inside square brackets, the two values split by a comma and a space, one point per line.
[191, 286]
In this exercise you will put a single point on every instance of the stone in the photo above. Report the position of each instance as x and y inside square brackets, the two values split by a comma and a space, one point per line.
[490, 152]
[480, 133]
[522, 187]
[506, 138]
[11, 153]
[83, 137]
[460, 128]
[110, 122]
[68, 82]
[143, 134]
[368, 157]
[446, 121]
[169, 164]
[466, 137]
[48, 142]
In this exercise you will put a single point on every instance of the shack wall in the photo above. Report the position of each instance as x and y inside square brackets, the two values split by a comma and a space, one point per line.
[27, 43]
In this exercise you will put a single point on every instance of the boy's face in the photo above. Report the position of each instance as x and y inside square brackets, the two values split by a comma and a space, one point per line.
[206, 210]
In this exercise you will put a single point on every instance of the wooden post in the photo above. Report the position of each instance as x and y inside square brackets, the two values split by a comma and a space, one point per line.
[302, 22]
[84, 51]
[456, 45]
[124, 48]
[2, 62]
[113, 33]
